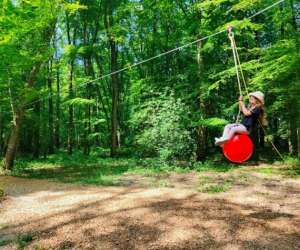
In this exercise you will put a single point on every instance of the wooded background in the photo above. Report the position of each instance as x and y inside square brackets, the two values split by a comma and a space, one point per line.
[171, 107]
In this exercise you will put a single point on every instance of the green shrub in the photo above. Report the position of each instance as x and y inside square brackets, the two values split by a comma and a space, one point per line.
[164, 129]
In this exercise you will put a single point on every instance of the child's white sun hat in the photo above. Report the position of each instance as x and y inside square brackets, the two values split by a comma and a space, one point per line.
[258, 95]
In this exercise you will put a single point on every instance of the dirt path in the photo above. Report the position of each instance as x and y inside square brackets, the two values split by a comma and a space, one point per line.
[260, 212]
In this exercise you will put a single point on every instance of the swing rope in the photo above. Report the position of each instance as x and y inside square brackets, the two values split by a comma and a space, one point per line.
[233, 47]
[239, 71]
[240, 66]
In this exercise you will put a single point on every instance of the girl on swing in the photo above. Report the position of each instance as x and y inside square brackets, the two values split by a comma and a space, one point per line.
[252, 114]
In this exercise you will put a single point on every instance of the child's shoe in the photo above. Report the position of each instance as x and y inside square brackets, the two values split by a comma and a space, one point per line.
[216, 140]
[220, 141]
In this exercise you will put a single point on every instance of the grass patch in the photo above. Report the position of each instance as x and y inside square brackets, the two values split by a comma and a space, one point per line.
[267, 170]
[4, 226]
[242, 179]
[160, 183]
[77, 169]
[290, 168]
[23, 240]
[1, 193]
[210, 185]
[220, 167]
[215, 188]
[96, 170]
[4, 242]
[93, 169]
[102, 180]
[36, 247]
[293, 168]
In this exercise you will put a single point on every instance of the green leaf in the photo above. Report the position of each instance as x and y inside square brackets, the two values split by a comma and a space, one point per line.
[80, 102]
[213, 122]
[73, 7]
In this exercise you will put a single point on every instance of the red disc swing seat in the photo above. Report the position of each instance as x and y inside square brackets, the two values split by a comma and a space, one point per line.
[238, 149]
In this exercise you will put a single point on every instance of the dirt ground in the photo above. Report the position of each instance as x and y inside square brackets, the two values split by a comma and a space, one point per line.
[258, 211]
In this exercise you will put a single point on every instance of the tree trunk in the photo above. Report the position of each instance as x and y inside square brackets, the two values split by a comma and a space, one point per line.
[201, 131]
[70, 88]
[261, 138]
[298, 136]
[71, 111]
[296, 28]
[36, 135]
[108, 22]
[115, 94]
[88, 130]
[275, 128]
[153, 45]
[18, 116]
[50, 107]
[57, 123]
[254, 135]
[1, 135]
[103, 92]
[292, 135]
[44, 130]
[13, 141]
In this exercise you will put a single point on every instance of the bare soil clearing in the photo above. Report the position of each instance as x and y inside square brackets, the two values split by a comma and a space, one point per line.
[255, 211]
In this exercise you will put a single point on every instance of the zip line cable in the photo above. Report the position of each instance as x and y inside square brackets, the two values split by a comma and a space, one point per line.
[159, 55]
[265, 9]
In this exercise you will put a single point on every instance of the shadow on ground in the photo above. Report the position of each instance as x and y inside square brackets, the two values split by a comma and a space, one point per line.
[159, 219]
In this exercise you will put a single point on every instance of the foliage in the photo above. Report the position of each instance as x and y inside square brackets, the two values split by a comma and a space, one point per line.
[76, 44]
[212, 122]
[165, 128]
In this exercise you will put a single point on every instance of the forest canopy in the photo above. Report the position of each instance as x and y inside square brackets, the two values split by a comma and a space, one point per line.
[55, 53]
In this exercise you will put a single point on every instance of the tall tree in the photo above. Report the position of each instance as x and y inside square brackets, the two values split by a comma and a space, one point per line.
[38, 19]
[71, 43]
[109, 22]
